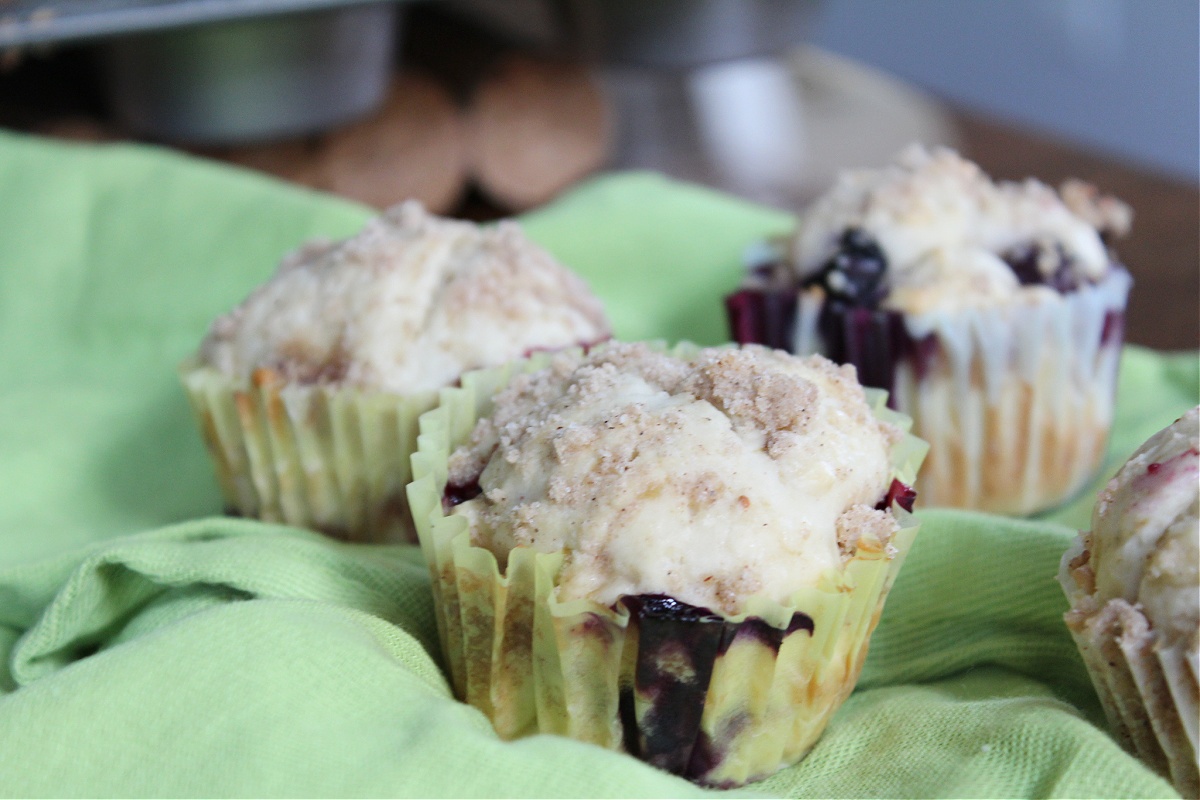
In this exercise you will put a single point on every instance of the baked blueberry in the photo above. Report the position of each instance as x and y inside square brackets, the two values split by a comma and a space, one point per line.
[855, 273]
[1039, 265]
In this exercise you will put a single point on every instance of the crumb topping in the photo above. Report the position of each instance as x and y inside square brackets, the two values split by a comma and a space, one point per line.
[736, 473]
[406, 305]
[1112, 218]
[951, 237]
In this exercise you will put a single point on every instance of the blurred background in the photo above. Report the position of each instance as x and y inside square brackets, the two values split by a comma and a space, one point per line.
[483, 108]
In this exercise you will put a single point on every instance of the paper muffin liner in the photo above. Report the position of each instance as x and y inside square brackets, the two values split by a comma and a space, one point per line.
[719, 700]
[331, 459]
[1148, 689]
[1015, 401]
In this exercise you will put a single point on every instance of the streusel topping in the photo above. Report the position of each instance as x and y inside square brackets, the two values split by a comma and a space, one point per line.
[407, 305]
[952, 238]
[740, 472]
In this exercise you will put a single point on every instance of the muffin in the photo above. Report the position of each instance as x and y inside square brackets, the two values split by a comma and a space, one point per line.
[991, 312]
[679, 554]
[308, 393]
[1134, 590]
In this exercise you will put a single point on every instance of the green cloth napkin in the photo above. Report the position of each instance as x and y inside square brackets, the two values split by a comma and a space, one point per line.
[148, 648]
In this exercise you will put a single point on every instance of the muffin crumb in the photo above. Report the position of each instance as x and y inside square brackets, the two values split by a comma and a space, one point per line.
[406, 306]
[736, 472]
[1110, 216]
[864, 522]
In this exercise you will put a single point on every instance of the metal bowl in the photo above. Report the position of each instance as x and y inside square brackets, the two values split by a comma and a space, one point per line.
[648, 33]
[246, 80]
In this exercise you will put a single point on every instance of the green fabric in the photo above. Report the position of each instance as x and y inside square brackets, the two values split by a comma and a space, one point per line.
[148, 650]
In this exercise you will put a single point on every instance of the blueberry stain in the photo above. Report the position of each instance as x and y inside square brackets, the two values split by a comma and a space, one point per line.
[458, 493]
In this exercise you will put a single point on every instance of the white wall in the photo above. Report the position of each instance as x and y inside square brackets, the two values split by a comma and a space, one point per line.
[1119, 76]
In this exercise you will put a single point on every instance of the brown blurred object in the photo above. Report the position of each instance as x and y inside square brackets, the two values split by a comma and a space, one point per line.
[295, 160]
[78, 129]
[535, 127]
[1163, 249]
[412, 148]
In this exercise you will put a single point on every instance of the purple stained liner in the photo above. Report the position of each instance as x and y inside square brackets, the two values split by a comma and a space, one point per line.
[873, 340]
[1114, 327]
[662, 713]
[869, 339]
[706, 757]
[762, 316]
[764, 632]
[669, 699]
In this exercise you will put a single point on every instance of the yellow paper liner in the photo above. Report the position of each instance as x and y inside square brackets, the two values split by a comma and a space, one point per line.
[331, 459]
[1016, 401]
[1148, 690]
[534, 664]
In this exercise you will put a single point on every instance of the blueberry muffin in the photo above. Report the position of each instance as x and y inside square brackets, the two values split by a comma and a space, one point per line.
[308, 392]
[678, 554]
[1134, 586]
[991, 312]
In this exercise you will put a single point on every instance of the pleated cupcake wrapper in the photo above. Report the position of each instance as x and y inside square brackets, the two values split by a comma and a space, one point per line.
[718, 700]
[330, 459]
[1016, 402]
[1149, 692]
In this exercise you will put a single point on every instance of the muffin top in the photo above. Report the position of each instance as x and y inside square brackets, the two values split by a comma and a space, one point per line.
[1145, 538]
[931, 231]
[406, 305]
[739, 472]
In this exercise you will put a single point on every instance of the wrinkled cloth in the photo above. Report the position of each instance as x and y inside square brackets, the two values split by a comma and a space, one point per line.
[151, 648]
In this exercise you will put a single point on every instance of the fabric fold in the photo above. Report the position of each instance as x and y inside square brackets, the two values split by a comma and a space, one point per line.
[138, 584]
[141, 657]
